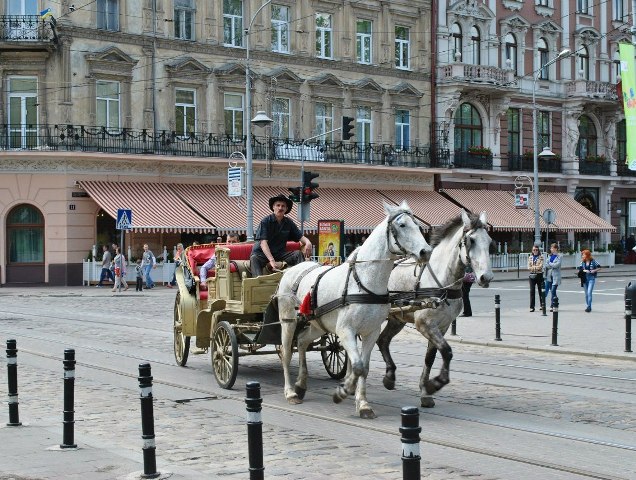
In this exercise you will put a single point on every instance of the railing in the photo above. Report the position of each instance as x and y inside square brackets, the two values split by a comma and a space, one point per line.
[587, 167]
[24, 28]
[100, 139]
[519, 261]
[622, 170]
[475, 73]
[92, 270]
[525, 164]
[600, 90]
[471, 160]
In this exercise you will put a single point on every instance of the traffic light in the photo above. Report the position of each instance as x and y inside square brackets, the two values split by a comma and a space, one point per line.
[296, 194]
[309, 187]
[347, 128]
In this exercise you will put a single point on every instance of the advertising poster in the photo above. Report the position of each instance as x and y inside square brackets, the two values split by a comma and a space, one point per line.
[521, 197]
[330, 241]
[628, 80]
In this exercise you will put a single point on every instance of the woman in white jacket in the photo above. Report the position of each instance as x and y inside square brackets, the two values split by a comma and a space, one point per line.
[552, 274]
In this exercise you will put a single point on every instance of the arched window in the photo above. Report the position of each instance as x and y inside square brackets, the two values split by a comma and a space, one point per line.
[621, 142]
[456, 35]
[468, 128]
[542, 46]
[475, 44]
[25, 235]
[511, 51]
[584, 63]
[587, 138]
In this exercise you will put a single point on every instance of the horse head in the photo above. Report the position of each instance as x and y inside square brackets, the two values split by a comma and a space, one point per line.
[475, 247]
[404, 235]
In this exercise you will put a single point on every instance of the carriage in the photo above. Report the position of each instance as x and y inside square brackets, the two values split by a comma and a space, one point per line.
[231, 313]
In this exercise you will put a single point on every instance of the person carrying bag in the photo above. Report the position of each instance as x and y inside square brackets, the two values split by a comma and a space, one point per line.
[535, 277]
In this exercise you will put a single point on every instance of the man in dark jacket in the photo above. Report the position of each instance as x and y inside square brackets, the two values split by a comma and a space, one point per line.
[273, 233]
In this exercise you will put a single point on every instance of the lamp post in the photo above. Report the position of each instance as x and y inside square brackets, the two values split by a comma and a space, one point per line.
[260, 120]
[546, 151]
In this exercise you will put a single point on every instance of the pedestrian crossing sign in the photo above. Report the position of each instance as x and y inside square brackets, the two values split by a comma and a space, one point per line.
[124, 219]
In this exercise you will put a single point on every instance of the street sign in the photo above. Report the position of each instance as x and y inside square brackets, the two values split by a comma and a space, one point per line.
[124, 219]
[235, 177]
[549, 216]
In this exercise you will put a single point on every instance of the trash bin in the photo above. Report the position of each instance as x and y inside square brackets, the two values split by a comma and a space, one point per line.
[630, 292]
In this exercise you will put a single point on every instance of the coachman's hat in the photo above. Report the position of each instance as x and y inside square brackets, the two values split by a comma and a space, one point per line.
[281, 198]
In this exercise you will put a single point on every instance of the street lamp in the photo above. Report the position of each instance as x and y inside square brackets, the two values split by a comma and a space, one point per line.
[546, 151]
[261, 119]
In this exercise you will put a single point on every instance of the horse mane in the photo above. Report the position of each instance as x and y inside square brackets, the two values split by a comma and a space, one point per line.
[449, 228]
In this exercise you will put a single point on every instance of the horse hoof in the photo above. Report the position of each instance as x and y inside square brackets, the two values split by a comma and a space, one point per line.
[388, 383]
[294, 400]
[427, 402]
[367, 413]
[336, 398]
[300, 392]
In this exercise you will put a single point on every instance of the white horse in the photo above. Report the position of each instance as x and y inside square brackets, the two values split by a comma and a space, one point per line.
[460, 242]
[349, 300]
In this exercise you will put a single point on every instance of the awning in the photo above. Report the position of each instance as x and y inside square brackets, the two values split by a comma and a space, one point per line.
[571, 216]
[429, 206]
[155, 207]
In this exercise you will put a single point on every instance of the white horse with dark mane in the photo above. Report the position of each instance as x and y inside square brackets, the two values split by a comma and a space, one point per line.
[460, 242]
[349, 300]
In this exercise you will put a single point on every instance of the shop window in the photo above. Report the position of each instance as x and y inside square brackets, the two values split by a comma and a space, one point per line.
[25, 235]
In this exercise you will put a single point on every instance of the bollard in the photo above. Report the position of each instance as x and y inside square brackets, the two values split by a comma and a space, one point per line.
[410, 431]
[253, 403]
[498, 318]
[628, 325]
[69, 400]
[454, 327]
[12, 377]
[542, 298]
[555, 322]
[147, 422]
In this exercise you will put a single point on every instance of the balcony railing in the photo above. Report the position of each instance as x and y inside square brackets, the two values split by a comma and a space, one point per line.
[25, 28]
[99, 139]
[471, 160]
[622, 170]
[524, 163]
[593, 167]
[483, 74]
[589, 89]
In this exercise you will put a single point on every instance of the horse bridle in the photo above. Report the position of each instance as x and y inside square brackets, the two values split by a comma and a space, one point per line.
[466, 243]
[391, 230]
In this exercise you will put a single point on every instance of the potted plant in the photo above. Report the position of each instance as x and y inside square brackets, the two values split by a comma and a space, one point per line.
[479, 150]
[596, 158]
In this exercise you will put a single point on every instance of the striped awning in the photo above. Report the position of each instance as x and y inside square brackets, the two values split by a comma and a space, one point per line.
[429, 206]
[155, 207]
[571, 215]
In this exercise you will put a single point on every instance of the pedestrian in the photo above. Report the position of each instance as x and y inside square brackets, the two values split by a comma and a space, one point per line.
[590, 268]
[139, 275]
[148, 262]
[467, 282]
[120, 270]
[535, 277]
[219, 239]
[274, 231]
[106, 273]
[552, 274]
[177, 262]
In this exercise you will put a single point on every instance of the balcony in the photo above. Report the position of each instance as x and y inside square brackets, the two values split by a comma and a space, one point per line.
[602, 91]
[525, 163]
[490, 78]
[19, 32]
[596, 166]
[622, 170]
[471, 160]
[72, 138]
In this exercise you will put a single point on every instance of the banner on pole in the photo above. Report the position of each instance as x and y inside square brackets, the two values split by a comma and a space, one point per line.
[330, 241]
[628, 80]
[521, 197]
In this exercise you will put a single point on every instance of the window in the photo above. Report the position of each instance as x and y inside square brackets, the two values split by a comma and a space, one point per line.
[23, 112]
[108, 14]
[402, 47]
[584, 63]
[363, 41]
[542, 46]
[621, 142]
[25, 235]
[543, 3]
[402, 129]
[456, 38]
[21, 29]
[511, 52]
[184, 19]
[281, 114]
[108, 106]
[363, 132]
[475, 45]
[619, 10]
[587, 138]
[543, 131]
[324, 47]
[233, 110]
[582, 6]
[280, 29]
[514, 131]
[468, 128]
[324, 121]
[233, 23]
[185, 112]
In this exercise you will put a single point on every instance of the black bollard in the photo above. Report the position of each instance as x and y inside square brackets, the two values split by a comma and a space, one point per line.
[628, 325]
[454, 327]
[68, 436]
[253, 403]
[555, 322]
[542, 298]
[12, 377]
[410, 431]
[498, 318]
[147, 422]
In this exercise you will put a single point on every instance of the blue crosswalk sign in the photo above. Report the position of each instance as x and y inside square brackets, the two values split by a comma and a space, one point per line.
[124, 219]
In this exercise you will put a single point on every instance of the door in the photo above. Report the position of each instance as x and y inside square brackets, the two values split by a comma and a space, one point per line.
[23, 112]
[24, 19]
